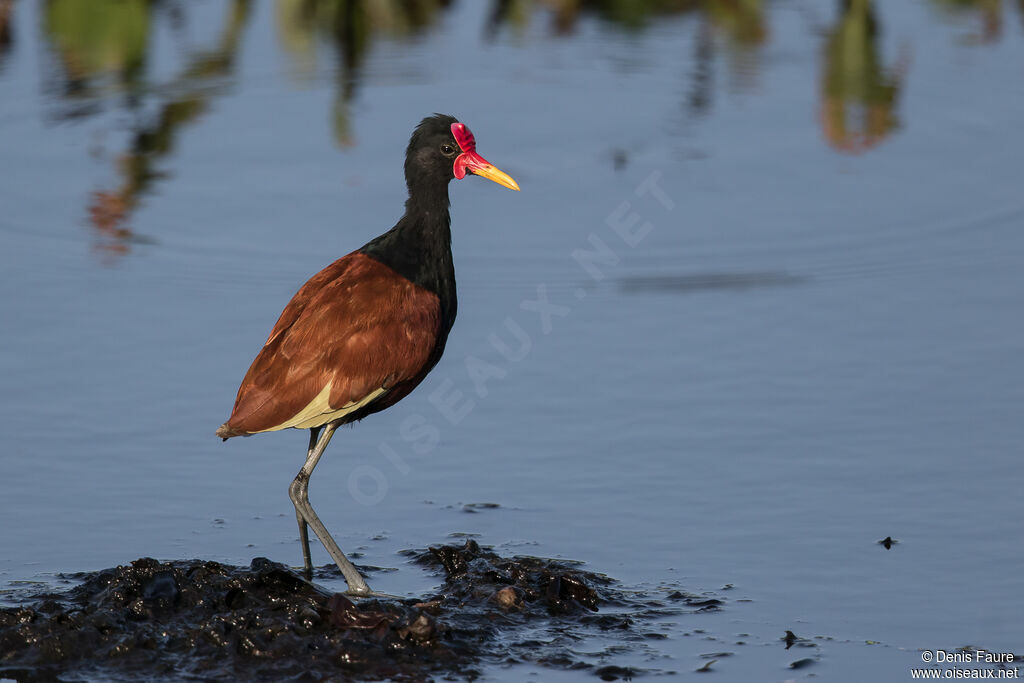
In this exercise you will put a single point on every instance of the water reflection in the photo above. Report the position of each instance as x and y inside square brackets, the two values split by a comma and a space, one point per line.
[741, 22]
[859, 95]
[102, 47]
[349, 27]
[987, 13]
[6, 33]
[736, 29]
[152, 141]
[101, 53]
[743, 25]
[628, 14]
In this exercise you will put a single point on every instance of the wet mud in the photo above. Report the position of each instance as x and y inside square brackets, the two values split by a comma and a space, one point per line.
[209, 621]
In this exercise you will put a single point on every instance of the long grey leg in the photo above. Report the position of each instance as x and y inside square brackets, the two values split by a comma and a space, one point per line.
[298, 491]
[307, 562]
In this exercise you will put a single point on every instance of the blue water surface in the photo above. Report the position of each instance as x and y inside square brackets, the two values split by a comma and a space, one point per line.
[780, 248]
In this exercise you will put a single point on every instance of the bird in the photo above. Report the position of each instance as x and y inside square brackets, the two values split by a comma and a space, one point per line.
[364, 332]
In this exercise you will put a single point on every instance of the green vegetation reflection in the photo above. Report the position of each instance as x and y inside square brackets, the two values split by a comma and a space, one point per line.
[100, 53]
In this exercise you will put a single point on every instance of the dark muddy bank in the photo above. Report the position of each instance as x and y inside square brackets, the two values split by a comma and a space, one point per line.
[194, 619]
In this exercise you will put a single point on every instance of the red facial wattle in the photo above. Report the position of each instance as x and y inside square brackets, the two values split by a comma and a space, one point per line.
[470, 161]
[467, 143]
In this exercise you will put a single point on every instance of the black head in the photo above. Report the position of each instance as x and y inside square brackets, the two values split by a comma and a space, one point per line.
[432, 150]
[441, 149]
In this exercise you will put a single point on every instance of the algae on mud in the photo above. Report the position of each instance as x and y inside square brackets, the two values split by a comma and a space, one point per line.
[264, 622]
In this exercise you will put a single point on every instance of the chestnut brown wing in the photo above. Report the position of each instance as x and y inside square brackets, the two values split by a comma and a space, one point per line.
[352, 332]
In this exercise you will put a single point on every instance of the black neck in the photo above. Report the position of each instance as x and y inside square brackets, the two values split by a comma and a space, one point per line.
[419, 247]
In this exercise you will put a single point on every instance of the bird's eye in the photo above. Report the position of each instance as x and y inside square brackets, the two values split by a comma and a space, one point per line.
[447, 150]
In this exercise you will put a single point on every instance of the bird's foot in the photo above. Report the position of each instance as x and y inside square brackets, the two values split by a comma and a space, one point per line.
[373, 594]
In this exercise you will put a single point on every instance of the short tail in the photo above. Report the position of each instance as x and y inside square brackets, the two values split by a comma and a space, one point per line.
[226, 432]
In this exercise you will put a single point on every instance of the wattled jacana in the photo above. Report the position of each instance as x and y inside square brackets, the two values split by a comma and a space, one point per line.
[365, 330]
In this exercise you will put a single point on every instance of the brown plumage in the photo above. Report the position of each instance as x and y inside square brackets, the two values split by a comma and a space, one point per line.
[357, 326]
